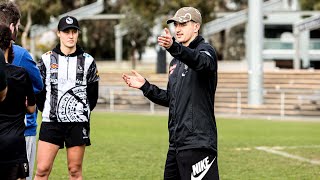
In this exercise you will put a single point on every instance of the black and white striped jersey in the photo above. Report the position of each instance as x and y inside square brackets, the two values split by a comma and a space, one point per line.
[67, 79]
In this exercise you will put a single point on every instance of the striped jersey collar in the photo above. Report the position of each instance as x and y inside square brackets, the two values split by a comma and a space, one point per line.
[78, 51]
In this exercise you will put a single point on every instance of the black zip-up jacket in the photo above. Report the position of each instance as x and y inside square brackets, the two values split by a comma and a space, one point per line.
[189, 96]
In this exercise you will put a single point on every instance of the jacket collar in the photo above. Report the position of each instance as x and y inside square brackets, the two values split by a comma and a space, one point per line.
[78, 51]
[196, 42]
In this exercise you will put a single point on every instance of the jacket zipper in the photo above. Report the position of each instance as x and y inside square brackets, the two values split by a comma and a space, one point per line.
[175, 106]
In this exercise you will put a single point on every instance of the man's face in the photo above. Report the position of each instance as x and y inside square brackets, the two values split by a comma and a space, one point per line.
[68, 37]
[15, 30]
[186, 32]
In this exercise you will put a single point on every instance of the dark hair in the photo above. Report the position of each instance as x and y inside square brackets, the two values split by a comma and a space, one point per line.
[5, 41]
[9, 13]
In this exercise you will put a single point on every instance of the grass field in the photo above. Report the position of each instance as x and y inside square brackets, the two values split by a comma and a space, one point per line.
[130, 146]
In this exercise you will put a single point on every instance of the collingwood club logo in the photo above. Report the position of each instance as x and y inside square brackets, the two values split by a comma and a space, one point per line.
[187, 17]
[72, 106]
[26, 167]
[185, 70]
[200, 169]
[85, 134]
[80, 69]
[69, 20]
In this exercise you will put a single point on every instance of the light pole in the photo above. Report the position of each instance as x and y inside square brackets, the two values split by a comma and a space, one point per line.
[254, 53]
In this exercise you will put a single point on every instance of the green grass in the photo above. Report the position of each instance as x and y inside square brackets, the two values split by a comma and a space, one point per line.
[131, 146]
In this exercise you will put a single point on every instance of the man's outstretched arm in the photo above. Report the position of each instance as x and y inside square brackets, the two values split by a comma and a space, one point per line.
[152, 92]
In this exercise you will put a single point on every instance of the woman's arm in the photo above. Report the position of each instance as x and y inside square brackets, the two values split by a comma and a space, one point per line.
[31, 109]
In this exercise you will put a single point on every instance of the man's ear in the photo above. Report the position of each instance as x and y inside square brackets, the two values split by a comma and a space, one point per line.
[196, 27]
[12, 28]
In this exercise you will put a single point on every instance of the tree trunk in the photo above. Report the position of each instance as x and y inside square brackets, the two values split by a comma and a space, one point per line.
[26, 31]
[133, 58]
[133, 50]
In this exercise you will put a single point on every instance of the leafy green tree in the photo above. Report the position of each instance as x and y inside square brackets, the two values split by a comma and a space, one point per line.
[140, 20]
[98, 37]
[32, 12]
[141, 16]
[310, 4]
[150, 9]
[139, 30]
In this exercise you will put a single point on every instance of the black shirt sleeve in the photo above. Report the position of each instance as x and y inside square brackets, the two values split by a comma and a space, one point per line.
[92, 92]
[93, 85]
[29, 90]
[3, 79]
[155, 94]
[203, 58]
[41, 96]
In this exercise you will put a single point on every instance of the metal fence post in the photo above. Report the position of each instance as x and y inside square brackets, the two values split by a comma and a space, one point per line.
[152, 107]
[282, 104]
[239, 102]
[111, 100]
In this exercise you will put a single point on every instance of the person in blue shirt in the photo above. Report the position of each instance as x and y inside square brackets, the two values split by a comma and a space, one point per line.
[10, 15]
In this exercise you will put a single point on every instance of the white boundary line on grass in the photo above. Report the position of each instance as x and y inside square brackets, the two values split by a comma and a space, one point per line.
[285, 154]
[295, 147]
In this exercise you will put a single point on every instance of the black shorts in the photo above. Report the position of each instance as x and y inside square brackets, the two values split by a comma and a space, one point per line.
[70, 134]
[14, 172]
[191, 164]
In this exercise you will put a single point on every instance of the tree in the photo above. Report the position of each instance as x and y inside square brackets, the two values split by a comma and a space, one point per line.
[138, 31]
[310, 4]
[150, 9]
[32, 12]
[141, 16]
[98, 35]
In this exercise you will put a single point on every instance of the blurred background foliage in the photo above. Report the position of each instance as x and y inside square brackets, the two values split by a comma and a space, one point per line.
[98, 38]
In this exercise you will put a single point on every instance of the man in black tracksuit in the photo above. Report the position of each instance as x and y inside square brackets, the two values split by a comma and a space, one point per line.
[192, 153]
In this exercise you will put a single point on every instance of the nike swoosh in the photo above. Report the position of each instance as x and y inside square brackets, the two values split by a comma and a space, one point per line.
[203, 172]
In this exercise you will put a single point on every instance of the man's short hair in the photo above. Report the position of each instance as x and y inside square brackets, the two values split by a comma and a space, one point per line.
[9, 13]
[5, 40]
[5, 36]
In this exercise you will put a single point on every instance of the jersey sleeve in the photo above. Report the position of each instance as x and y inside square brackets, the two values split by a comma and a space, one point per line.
[93, 74]
[93, 85]
[41, 96]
